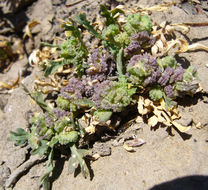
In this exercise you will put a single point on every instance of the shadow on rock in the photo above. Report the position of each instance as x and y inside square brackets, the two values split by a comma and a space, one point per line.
[195, 182]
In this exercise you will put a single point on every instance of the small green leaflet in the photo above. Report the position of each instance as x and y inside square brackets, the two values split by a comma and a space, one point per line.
[77, 158]
[42, 148]
[53, 67]
[109, 15]
[38, 98]
[103, 115]
[81, 19]
[20, 136]
[105, 13]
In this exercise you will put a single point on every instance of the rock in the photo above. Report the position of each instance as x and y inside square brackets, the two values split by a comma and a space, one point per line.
[103, 149]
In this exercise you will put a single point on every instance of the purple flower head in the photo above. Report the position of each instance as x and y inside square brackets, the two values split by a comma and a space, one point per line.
[177, 75]
[163, 80]
[169, 91]
[60, 113]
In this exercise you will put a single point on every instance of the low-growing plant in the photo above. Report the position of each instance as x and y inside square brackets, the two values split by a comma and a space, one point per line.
[104, 80]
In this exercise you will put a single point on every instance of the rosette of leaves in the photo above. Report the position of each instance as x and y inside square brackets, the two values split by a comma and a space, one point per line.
[140, 67]
[115, 96]
[137, 23]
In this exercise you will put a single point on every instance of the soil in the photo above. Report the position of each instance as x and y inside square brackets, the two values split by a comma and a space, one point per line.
[163, 162]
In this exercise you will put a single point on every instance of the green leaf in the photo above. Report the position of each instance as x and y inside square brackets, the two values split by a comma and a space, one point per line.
[156, 93]
[48, 45]
[73, 164]
[83, 152]
[42, 149]
[103, 115]
[168, 102]
[79, 154]
[167, 61]
[190, 75]
[20, 136]
[53, 142]
[68, 137]
[53, 67]
[81, 19]
[107, 14]
[38, 98]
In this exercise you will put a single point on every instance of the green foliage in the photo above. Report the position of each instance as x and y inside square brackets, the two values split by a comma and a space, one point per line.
[138, 72]
[109, 34]
[167, 61]
[190, 75]
[77, 158]
[156, 93]
[63, 103]
[62, 123]
[45, 181]
[109, 15]
[38, 98]
[81, 19]
[186, 88]
[68, 137]
[118, 96]
[111, 31]
[103, 115]
[137, 23]
[73, 50]
[20, 136]
[123, 38]
[42, 148]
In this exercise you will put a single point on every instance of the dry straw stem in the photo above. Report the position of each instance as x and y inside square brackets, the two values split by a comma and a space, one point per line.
[54, 84]
[163, 46]
[29, 26]
[10, 86]
[161, 114]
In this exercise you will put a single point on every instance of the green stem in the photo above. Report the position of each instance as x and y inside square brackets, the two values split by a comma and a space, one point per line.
[48, 45]
[119, 64]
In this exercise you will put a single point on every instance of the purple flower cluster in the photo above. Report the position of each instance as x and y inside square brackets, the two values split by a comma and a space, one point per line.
[139, 41]
[169, 91]
[152, 79]
[146, 58]
[164, 79]
[100, 66]
[101, 90]
[60, 113]
[177, 75]
[74, 88]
